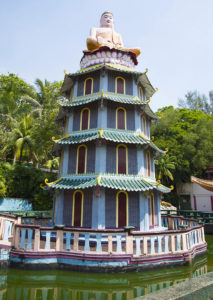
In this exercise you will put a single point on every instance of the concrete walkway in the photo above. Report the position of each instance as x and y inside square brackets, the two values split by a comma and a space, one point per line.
[192, 289]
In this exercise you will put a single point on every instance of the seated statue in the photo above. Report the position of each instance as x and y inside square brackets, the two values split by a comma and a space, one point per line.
[106, 36]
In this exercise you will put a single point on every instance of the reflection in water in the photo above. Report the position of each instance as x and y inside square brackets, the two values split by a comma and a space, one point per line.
[57, 284]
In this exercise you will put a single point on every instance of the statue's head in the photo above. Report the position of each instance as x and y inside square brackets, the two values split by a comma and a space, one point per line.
[107, 20]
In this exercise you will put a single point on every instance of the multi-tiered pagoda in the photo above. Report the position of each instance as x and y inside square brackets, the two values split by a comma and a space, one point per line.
[107, 200]
[107, 173]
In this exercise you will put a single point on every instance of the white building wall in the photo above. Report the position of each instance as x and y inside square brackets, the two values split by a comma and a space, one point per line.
[203, 197]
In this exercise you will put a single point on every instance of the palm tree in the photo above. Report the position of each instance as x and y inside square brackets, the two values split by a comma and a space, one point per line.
[20, 141]
[164, 164]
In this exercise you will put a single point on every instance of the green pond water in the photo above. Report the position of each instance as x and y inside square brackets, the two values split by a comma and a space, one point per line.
[55, 284]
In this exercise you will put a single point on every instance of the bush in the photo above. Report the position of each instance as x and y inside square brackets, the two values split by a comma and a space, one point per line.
[24, 182]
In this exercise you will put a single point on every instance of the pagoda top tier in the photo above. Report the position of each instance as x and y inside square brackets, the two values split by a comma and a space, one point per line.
[104, 45]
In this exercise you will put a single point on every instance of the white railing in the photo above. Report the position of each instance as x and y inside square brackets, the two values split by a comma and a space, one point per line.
[39, 239]
[34, 234]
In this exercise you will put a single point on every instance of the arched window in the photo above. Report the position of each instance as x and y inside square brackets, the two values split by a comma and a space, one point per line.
[151, 210]
[88, 86]
[143, 125]
[77, 208]
[120, 118]
[121, 209]
[121, 159]
[81, 162]
[120, 85]
[140, 93]
[148, 163]
[85, 119]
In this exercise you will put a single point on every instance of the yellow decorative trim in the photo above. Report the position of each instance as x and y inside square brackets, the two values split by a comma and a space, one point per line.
[171, 188]
[156, 89]
[117, 148]
[61, 161]
[143, 137]
[41, 186]
[66, 124]
[85, 165]
[116, 85]
[151, 198]
[143, 125]
[148, 160]
[71, 93]
[102, 93]
[88, 125]
[116, 116]
[85, 81]
[101, 132]
[73, 206]
[127, 206]
[54, 140]
[50, 183]
[99, 180]
[140, 93]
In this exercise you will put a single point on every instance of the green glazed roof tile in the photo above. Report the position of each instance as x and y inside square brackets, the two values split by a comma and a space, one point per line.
[113, 181]
[128, 99]
[113, 135]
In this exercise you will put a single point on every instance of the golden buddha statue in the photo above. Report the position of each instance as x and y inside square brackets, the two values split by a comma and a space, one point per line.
[106, 36]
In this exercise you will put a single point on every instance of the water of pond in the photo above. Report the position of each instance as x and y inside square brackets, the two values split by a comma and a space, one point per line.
[57, 284]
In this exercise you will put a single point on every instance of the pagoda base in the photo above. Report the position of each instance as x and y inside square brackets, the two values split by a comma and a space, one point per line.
[37, 243]
[101, 263]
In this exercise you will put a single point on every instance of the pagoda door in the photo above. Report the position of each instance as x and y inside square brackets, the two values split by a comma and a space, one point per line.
[77, 209]
[122, 204]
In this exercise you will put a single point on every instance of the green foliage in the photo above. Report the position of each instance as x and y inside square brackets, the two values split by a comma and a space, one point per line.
[164, 164]
[27, 118]
[27, 124]
[195, 101]
[189, 137]
[24, 182]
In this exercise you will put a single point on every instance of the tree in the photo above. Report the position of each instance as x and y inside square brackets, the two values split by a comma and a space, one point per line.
[189, 137]
[27, 119]
[164, 164]
[195, 101]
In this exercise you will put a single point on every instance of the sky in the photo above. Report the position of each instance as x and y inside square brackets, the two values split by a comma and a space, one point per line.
[39, 39]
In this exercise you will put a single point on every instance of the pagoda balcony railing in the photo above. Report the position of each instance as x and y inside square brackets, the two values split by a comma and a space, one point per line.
[183, 235]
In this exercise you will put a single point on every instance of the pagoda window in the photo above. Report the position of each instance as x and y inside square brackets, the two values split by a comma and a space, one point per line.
[88, 86]
[81, 162]
[151, 210]
[120, 85]
[121, 159]
[143, 125]
[85, 119]
[77, 208]
[140, 93]
[148, 163]
[121, 209]
[120, 118]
